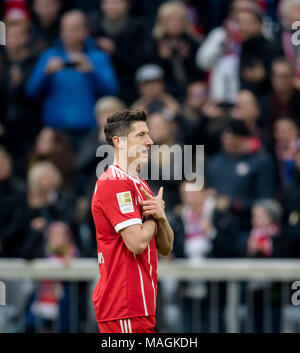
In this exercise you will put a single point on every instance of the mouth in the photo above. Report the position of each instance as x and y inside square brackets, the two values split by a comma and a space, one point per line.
[145, 152]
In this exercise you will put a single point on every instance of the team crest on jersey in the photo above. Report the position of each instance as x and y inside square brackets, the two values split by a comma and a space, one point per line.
[125, 202]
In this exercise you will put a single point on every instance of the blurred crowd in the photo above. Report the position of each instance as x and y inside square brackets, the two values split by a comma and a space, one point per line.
[223, 74]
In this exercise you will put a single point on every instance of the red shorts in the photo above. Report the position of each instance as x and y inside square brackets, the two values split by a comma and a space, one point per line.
[145, 324]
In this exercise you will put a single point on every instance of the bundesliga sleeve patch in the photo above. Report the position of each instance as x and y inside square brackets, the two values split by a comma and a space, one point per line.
[125, 202]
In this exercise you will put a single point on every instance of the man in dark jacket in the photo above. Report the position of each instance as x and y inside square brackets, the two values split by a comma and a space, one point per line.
[240, 178]
[124, 38]
[255, 58]
[13, 226]
[19, 121]
[291, 211]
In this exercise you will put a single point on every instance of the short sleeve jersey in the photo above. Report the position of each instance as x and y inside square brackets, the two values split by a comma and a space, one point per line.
[128, 282]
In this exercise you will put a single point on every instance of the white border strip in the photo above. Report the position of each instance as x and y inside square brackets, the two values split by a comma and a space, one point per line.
[143, 293]
[121, 324]
[129, 326]
[127, 223]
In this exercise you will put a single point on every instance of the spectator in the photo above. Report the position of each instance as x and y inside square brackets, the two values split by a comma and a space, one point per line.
[175, 48]
[255, 59]
[193, 223]
[12, 203]
[69, 77]
[194, 232]
[284, 98]
[51, 300]
[283, 45]
[54, 146]
[265, 235]
[190, 117]
[87, 161]
[163, 133]
[124, 38]
[247, 108]
[19, 122]
[150, 81]
[264, 241]
[219, 54]
[240, 177]
[215, 118]
[286, 134]
[47, 200]
[291, 210]
[46, 17]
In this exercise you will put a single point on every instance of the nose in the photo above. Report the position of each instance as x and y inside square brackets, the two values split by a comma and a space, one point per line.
[149, 141]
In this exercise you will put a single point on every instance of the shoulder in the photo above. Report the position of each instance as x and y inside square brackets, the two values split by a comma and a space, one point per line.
[113, 180]
[217, 33]
[146, 185]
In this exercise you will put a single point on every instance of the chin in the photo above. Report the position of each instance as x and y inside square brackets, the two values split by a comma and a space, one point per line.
[144, 160]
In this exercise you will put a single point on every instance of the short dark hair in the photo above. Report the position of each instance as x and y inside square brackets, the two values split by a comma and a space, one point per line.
[119, 124]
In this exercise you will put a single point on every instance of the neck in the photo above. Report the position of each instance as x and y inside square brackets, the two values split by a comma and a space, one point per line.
[114, 26]
[47, 22]
[74, 48]
[284, 96]
[127, 166]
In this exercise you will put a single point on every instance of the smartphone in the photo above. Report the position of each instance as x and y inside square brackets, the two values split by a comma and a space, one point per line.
[70, 64]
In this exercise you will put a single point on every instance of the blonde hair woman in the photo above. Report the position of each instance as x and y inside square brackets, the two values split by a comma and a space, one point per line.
[171, 20]
[44, 178]
[175, 48]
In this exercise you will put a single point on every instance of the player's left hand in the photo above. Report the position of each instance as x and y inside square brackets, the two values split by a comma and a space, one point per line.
[154, 206]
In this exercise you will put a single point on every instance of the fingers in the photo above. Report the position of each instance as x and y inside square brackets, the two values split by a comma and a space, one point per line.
[146, 194]
[149, 213]
[160, 192]
[150, 207]
[147, 202]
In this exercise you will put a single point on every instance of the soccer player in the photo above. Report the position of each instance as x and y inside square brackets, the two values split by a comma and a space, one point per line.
[131, 226]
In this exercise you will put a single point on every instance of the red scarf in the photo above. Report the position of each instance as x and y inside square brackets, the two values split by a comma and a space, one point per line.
[263, 237]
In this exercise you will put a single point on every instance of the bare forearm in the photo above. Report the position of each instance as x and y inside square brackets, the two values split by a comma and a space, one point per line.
[148, 232]
[165, 237]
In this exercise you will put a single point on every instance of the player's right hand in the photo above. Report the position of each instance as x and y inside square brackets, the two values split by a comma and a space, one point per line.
[153, 206]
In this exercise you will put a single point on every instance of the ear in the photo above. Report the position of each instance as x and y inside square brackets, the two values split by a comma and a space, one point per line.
[116, 141]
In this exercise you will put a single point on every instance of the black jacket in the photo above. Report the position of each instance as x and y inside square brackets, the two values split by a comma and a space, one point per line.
[19, 114]
[131, 53]
[256, 49]
[291, 218]
[13, 224]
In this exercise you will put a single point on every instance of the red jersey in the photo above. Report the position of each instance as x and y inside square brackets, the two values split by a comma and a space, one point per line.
[127, 286]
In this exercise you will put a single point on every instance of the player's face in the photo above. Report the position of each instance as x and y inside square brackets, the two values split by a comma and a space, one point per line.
[138, 143]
